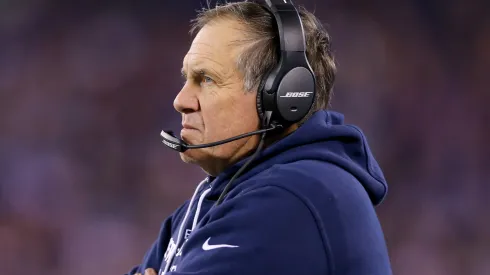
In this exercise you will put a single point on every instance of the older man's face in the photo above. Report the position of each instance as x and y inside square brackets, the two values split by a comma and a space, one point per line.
[213, 102]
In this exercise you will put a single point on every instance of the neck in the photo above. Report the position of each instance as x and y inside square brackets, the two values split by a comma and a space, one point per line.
[274, 137]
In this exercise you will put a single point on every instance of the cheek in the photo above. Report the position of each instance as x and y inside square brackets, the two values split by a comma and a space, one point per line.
[230, 116]
[247, 115]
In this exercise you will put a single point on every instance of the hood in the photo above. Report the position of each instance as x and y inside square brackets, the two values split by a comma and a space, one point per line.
[323, 137]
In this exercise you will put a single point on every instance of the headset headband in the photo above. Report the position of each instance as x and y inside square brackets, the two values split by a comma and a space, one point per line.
[289, 25]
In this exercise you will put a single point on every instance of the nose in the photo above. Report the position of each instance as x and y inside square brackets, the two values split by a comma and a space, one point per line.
[186, 100]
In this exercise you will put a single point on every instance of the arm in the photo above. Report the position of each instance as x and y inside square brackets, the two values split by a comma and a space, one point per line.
[269, 231]
[151, 259]
[154, 256]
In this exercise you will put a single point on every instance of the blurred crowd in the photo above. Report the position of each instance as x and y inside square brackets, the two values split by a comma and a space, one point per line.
[86, 87]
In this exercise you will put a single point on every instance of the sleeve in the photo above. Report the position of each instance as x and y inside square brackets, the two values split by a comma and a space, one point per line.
[151, 256]
[133, 270]
[154, 256]
[267, 230]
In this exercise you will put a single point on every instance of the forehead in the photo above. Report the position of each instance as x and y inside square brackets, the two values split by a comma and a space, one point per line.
[215, 45]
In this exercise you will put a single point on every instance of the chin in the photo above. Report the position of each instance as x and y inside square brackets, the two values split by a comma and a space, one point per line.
[199, 158]
[193, 156]
[186, 158]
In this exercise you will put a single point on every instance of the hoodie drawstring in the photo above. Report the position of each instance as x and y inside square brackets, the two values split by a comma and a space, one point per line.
[184, 221]
[199, 204]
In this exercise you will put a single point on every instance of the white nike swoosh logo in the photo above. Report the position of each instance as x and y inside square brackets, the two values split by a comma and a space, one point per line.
[206, 246]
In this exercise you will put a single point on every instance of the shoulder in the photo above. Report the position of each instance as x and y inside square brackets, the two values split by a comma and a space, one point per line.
[308, 179]
[341, 208]
[330, 192]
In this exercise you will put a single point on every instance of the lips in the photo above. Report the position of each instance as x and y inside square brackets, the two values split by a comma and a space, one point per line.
[188, 127]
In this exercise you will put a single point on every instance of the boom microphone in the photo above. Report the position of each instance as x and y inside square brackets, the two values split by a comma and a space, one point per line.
[177, 144]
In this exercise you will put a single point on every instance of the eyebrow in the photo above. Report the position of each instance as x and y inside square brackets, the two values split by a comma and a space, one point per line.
[200, 71]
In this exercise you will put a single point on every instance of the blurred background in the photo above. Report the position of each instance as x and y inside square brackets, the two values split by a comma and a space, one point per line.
[86, 87]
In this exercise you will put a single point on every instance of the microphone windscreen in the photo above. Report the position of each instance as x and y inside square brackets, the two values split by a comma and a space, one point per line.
[171, 141]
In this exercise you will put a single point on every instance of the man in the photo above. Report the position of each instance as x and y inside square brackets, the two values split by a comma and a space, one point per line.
[305, 204]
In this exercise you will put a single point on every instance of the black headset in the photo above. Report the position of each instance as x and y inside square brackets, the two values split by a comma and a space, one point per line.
[286, 94]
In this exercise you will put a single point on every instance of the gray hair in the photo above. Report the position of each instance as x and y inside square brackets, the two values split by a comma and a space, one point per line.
[260, 43]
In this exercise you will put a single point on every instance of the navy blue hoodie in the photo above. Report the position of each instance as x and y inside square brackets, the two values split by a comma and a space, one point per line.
[305, 206]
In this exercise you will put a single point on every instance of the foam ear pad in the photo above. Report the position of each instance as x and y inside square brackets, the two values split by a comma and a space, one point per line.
[258, 102]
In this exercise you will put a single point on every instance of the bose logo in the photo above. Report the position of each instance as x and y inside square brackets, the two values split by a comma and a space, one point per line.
[302, 94]
[174, 146]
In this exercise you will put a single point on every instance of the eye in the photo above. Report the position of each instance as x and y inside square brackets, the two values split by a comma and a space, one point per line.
[206, 80]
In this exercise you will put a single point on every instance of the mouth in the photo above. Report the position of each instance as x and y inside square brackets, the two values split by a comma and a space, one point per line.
[187, 132]
[188, 127]
[188, 135]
